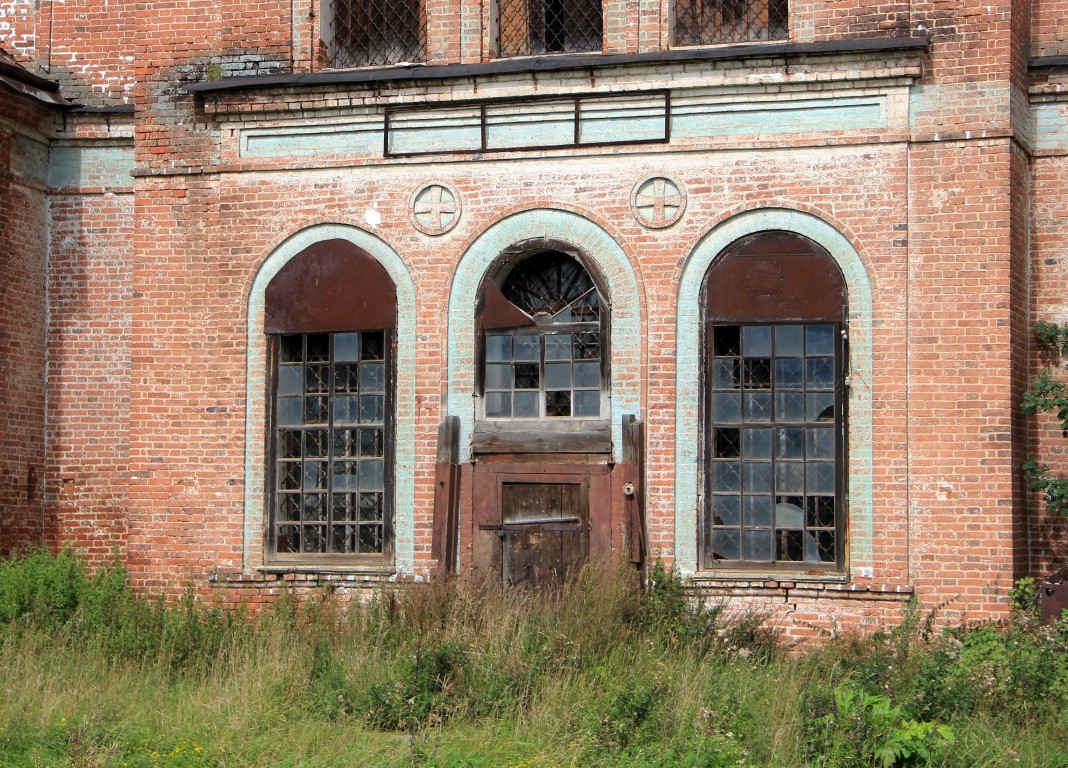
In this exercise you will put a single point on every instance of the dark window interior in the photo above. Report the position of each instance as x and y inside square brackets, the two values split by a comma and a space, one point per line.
[708, 22]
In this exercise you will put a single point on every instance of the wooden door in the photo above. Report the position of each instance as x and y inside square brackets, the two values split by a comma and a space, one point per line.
[545, 531]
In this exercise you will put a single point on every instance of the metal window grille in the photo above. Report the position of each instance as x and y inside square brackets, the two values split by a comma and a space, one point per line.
[371, 32]
[708, 22]
[530, 27]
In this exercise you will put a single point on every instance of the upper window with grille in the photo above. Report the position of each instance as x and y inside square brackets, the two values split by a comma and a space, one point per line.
[708, 22]
[373, 32]
[544, 352]
[532, 27]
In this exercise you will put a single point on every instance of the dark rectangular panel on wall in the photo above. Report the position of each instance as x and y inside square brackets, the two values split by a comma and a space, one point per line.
[537, 436]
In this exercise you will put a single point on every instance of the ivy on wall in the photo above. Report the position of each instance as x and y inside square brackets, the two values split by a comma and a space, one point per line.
[1049, 394]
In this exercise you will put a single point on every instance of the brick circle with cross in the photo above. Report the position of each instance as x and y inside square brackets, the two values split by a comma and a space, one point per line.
[658, 202]
[434, 209]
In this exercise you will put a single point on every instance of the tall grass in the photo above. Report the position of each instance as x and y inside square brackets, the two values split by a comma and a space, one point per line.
[450, 674]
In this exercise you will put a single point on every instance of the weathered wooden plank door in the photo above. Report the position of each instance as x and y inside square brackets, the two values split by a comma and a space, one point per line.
[546, 531]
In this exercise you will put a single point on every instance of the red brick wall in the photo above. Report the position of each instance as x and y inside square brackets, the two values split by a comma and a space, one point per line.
[1049, 35]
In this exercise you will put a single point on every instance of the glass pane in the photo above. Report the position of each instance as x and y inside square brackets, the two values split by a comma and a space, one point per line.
[291, 349]
[758, 511]
[498, 405]
[790, 545]
[557, 403]
[558, 346]
[726, 443]
[315, 410]
[726, 407]
[726, 476]
[756, 443]
[757, 407]
[372, 408]
[789, 341]
[346, 347]
[756, 476]
[345, 476]
[314, 475]
[289, 475]
[318, 348]
[820, 511]
[821, 406]
[725, 510]
[289, 444]
[345, 443]
[499, 348]
[526, 376]
[789, 477]
[820, 373]
[756, 341]
[372, 377]
[820, 443]
[820, 340]
[757, 372]
[825, 549]
[289, 506]
[587, 374]
[526, 405]
[498, 376]
[288, 538]
[346, 409]
[342, 538]
[314, 541]
[726, 340]
[372, 475]
[789, 515]
[558, 375]
[789, 373]
[291, 380]
[789, 443]
[371, 442]
[725, 374]
[757, 545]
[587, 403]
[373, 345]
[344, 506]
[820, 476]
[346, 379]
[726, 544]
[370, 507]
[316, 378]
[315, 444]
[790, 406]
[587, 346]
[370, 538]
[527, 348]
[314, 508]
[290, 411]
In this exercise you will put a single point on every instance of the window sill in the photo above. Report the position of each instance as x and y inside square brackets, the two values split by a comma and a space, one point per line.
[769, 577]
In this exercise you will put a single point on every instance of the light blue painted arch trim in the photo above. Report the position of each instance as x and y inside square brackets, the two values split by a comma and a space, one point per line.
[603, 253]
[688, 377]
[255, 413]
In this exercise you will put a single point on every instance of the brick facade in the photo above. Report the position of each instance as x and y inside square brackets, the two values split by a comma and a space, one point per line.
[918, 143]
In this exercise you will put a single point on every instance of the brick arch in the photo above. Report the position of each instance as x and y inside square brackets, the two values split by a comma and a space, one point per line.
[688, 375]
[602, 254]
[404, 396]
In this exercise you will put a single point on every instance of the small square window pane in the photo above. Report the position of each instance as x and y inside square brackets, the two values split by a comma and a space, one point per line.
[291, 380]
[344, 506]
[726, 544]
[820, 372]
[726, 443]
[372, 408]
[315, 410]
[372, 475]
[726, 476]
[825, 549]
[370, 507]
[820, 340]
[726, 407]
[558, 375]
[587, 346]
[756, 341]
[498, 376]
[345, 378]
[290, 411]
[820, 476]
[557, 403]
[757, 544]
[820, 511]
[372, 377]
[314, 541]
[526, 405]
[346, 409]
[289, 444]
[820, 443]
[315, 444]
[558, 346]
[342, 539]
[756, 443]
[790, 545]
[586, 403]
[318, 349]
[757, 511]
[789, 373]
[726, 510]
[345, 442]
[789, 477]
[789, 515]
[344, 478]
[287, 539]
[758, 406]
[527, 348]
[371, 442]
[370, 539]
[346, 347]
[314, 475]
[821, 406]
[756, 476]
[373, 345]
[289, 475]
[587, 374]
[789, 341]
[789, 443]
[316, 378]
[289, 506]
[291, 349]
[790, 406]
[526, 376]
[498, 405]
[499, 348]
[757, 373]
[726, 340]
[725, 374]
[314, 507]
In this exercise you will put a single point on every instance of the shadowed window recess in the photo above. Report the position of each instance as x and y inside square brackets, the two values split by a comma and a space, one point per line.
[531, 27]
[330, 314]
[376, 32]
[709, 22]
[774, 406]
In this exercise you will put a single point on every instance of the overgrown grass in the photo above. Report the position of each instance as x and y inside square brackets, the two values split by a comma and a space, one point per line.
[450, 675]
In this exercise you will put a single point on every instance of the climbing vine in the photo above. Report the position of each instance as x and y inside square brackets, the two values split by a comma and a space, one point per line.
[1049, 394]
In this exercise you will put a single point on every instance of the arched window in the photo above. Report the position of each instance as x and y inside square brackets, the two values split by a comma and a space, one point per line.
[774, 406]
[543, 319]
[330, 315]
